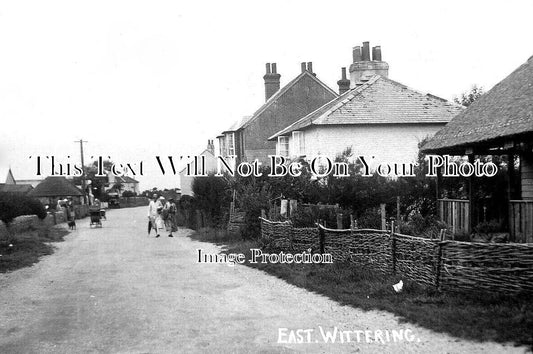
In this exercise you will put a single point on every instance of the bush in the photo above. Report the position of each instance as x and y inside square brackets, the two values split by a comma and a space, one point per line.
[212, 196]
[422, 226]
[14, 204]
[127, 194]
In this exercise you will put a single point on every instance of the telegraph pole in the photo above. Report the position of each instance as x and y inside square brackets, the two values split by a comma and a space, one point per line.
[81, 141]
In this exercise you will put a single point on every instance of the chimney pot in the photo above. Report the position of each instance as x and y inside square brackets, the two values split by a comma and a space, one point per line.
[303, 66]
[310, 67]
[344, 83]
[356, 54]
[268, 68]
[366, 51]
[376, 53]
[274, 68]
[364, 67]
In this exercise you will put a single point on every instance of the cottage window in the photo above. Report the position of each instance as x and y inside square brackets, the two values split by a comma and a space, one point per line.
[298, 147]
[283, 146]
[230, 144]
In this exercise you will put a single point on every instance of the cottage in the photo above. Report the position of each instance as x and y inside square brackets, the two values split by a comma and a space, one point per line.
[498, 123]
[247, 139]
[54, 188]
[121, 184]
[374, 115]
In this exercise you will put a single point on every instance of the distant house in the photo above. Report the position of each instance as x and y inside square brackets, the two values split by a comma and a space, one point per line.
[12, 186]
[376, 117]
[498, 123]
[247, 139]
[53, 188]
[121, 184]
[210, 166]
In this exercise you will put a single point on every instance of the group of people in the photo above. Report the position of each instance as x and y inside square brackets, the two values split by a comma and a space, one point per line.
[162, 215]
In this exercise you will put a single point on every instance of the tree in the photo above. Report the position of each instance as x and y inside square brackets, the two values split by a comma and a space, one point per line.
[467, 98]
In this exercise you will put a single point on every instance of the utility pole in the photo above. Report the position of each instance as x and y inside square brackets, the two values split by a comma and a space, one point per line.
[83, 185]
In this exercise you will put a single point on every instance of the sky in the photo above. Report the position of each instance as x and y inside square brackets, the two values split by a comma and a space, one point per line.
[139, 79]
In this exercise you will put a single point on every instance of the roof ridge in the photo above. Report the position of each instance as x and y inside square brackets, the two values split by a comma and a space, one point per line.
[282, 91]
[360, 88]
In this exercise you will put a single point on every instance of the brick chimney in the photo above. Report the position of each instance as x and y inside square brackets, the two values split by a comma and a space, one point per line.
[344, 83]
[211, 146]
[271, 80]
[363, 67]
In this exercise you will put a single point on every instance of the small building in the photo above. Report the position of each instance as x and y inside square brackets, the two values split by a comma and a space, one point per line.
[186, 178]
[53, 188]
[247, 139]
[12, 186]
[121, 184]
[500, 122]
[374, 116]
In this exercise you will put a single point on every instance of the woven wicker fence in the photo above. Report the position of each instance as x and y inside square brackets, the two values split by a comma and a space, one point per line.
[484, 266]
[445, 265]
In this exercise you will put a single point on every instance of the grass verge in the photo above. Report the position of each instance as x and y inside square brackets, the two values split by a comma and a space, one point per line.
[480, 317]
[26, 248]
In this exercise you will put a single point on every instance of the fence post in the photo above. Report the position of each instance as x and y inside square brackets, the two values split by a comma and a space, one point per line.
[383, 217]
[393, 248]
[263, 213]
[322, 237]
[439, 259]
[339, 221]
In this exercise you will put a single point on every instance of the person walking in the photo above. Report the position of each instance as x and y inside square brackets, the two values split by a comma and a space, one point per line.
[169, 212]
[159, 222]
[152, 214]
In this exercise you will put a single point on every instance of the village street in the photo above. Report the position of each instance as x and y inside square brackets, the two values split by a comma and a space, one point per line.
[115, 290]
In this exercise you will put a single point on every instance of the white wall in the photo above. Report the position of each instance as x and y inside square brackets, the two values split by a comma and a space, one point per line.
[388, 143]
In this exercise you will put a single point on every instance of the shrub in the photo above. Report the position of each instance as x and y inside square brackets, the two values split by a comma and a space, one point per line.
[212, 196]
[127, 194]
[14, 204]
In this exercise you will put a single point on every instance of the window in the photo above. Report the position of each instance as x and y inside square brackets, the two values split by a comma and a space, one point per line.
[298, 146]
[221, 147]
[230, 144]
[283, 146]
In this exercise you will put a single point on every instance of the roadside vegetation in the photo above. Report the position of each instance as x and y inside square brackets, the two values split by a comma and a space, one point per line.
[22, 248]
[473, 316]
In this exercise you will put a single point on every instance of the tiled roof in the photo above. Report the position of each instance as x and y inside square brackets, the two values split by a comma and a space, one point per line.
[506, 110]
[378, 101]
[55, 186]
[243, 123]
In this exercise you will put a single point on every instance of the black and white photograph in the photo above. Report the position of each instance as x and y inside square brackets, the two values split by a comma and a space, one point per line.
[266, 176]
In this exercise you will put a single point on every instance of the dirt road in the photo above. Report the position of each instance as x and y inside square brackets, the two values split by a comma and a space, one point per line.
[114, 290]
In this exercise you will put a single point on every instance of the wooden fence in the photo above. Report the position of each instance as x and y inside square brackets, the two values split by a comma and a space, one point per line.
[456, 213]
[445, 265]
[521, 220]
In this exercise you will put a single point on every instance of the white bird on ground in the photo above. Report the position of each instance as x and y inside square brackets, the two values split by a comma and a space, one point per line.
[398, 287]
